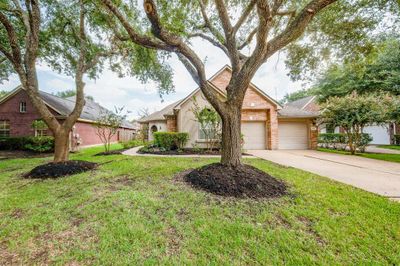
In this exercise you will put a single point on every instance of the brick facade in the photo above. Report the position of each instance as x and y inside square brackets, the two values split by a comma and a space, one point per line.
[313, 135]
[20, 123]
[172, 123]
[255, 108]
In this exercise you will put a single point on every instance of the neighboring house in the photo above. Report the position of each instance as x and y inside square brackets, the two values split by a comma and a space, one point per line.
[17, 114]
[265, 123]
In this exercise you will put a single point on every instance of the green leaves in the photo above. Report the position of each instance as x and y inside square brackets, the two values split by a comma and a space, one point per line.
[379, 71]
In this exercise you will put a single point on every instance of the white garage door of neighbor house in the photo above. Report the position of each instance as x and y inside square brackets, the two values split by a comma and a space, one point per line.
[254, 135]
[380, 134]
[293, 136]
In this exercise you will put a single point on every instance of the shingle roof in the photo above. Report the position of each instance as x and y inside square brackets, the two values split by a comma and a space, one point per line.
[64, 106]
[296, 109]
[160, 115]
[300, 103]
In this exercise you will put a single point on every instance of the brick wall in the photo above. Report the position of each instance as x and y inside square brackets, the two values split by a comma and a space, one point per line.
[313, 135]
[20, 123]
[88, 136]
[171, 123]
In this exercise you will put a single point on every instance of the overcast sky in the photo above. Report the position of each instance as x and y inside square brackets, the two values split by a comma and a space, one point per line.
[110, 90]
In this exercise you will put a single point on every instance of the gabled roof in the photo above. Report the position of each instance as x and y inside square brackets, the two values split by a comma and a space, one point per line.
[64, 106]
[301, 103]
[169, 110]
[297, 109]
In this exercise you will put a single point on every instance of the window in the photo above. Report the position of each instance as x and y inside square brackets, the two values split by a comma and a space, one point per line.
[40, 128]
[4, 128]
[22, 107]
[207, 132]
[330, 128]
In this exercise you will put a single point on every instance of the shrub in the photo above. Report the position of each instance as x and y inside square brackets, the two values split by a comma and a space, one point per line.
[341, 140]
[40, 144]
[132, 143]
[396, 139]
[36, 144]
[170, 140]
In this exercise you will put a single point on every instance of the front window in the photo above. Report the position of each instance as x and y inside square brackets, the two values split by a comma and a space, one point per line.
[330, 128]
[207, 132]
[4, 128]
[40, 128]
[22, 107]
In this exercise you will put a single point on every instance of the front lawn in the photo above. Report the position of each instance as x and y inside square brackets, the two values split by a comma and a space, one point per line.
[132, 211]
[378, 156]
[391, 147]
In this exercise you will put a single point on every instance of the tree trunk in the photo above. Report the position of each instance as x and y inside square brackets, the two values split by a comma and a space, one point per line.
[231, 153]
[61, 147]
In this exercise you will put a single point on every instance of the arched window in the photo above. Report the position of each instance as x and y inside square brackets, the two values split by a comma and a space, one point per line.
[153, 129]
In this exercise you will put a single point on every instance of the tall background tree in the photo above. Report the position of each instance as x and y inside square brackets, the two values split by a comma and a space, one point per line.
[55, 33]
[378, 71]
[264, 27]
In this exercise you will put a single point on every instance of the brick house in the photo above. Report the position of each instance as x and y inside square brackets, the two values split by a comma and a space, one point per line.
[17, 114]
[265, 124]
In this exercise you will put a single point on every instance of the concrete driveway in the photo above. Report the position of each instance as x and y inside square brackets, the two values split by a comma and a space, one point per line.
[375, 176]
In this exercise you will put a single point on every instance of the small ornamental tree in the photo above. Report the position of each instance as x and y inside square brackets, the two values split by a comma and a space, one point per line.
[107, 125]
[353, 112]
[209, 123]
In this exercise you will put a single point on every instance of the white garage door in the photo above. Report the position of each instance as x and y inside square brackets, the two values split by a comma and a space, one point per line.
[293, 136]
[254, 135]
[380, 134]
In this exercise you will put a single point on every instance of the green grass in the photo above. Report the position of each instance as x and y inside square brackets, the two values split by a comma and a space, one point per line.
[391, 147]
[378, 156]
[131, 211]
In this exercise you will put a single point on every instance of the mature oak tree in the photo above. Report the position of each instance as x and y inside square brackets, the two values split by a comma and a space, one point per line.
[265, 26]
[55, 32]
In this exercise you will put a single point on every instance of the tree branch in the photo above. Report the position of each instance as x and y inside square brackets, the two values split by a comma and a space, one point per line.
[229, 35]
[244, 16]
[182, 48]
[211, 40]
[297, 26]
[208, 23]
[135, 36]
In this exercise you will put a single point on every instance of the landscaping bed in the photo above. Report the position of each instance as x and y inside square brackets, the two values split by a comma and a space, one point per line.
[245, 181]
[185, 151]
[54, 170]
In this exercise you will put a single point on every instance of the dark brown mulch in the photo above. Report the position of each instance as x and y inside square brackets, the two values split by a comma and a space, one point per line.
[54, 170]
[242, 182]
[105, 153]
[186, 151]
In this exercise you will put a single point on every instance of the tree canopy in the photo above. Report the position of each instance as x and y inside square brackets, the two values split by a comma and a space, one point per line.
[249, 33]
[379, 71]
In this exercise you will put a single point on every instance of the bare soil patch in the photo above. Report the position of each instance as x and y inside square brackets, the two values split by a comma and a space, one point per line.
[244, 181]
[54, 170]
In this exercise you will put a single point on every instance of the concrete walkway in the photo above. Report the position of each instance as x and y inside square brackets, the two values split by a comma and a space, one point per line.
[380, 177]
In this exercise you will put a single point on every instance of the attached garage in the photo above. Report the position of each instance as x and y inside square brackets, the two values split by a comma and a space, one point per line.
[254, 134]
[293, 135]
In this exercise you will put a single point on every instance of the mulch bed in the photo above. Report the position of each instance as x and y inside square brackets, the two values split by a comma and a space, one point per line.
[115, 152]
[244, 181]
[187, 151]
[54, 170]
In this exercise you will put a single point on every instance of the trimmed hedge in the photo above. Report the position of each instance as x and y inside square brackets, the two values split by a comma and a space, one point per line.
[35, 144]
[170, 140]
[340, 141]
